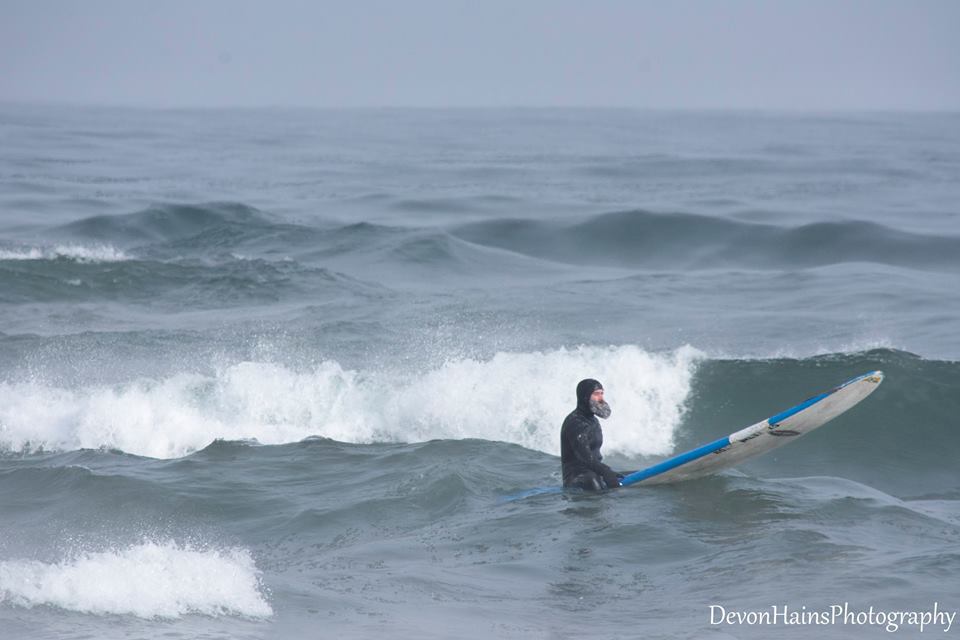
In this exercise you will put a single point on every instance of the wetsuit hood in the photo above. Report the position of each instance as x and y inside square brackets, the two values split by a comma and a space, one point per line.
[584, 390]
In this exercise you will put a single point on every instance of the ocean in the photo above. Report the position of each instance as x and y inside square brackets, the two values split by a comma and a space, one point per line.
[268, 373]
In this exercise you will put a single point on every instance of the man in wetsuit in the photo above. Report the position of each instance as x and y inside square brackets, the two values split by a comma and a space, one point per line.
[581, 439]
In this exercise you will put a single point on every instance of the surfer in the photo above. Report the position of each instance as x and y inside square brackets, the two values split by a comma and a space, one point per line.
[581, 439]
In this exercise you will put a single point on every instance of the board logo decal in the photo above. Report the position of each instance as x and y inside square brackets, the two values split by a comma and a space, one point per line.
[784, 432]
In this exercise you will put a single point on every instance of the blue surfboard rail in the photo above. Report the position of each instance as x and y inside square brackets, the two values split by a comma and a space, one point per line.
[783, 415]
[674, 462]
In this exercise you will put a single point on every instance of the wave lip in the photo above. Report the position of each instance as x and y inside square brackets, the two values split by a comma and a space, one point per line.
[74, 252]
[149, 580]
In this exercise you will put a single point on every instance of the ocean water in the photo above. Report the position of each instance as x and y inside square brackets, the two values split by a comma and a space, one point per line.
[266, 373]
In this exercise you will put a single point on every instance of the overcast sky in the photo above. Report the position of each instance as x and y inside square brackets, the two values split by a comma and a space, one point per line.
[796, 54]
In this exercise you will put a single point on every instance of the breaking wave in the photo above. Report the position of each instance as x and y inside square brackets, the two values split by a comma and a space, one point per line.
[519, 398]
[148, 580]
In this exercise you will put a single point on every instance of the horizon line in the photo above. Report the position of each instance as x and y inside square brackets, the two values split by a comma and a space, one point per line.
[135, 106]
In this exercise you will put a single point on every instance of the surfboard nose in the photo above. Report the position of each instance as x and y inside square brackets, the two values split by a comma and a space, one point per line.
[876, 377]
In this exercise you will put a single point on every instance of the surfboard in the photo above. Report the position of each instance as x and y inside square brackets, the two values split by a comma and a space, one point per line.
[761, 437]
[748, 442]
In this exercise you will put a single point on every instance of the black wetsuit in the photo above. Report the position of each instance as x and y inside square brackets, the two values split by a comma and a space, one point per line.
[580, 440]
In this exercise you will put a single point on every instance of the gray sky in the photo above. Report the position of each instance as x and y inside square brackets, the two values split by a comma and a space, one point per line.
[796, 54]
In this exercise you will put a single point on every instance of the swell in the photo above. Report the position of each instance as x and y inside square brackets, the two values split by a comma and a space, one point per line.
[224, 231]
[633, 239]
[167, 232]
[683, 240]
[163, 223]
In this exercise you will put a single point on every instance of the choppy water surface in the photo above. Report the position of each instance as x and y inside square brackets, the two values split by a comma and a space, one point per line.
[265, 373]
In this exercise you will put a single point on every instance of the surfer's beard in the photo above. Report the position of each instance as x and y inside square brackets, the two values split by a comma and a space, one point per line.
[600, 408]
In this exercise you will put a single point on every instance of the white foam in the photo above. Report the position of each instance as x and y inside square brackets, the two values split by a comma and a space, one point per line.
[78, 253]
[514, 397]
[148, 580]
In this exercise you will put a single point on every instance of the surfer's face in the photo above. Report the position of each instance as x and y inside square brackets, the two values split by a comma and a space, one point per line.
[598, 405]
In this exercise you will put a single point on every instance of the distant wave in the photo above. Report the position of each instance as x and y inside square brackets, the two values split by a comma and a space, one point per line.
[630, 239]
[171, 232]
[223, 253]
[683, 240]
[512, 249]
[163, 223]
[148, 580]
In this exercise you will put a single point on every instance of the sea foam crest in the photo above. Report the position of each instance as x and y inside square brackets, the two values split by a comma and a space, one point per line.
[78, 253]
[148, 580]
[520, 398]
